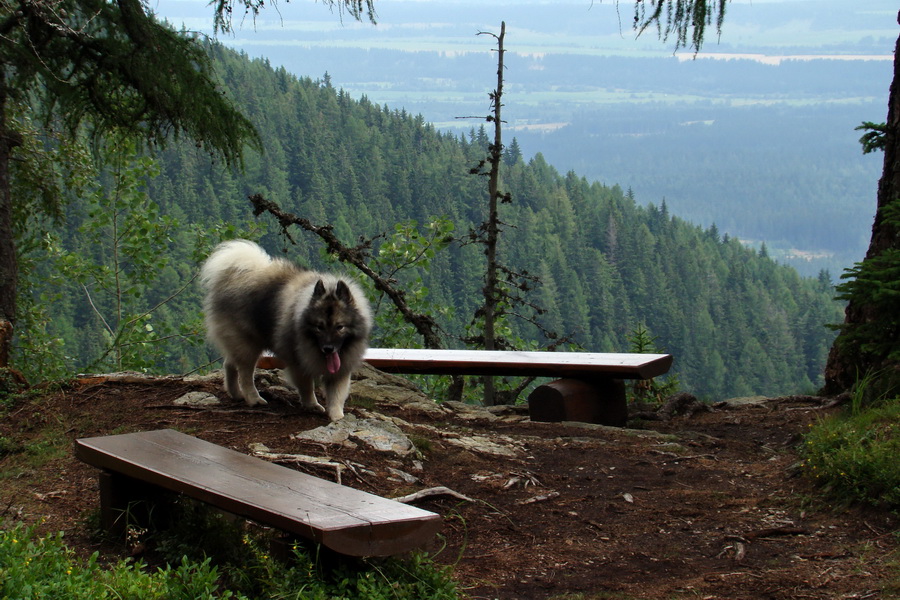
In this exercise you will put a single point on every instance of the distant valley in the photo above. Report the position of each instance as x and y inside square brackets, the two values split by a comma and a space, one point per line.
[762, 146]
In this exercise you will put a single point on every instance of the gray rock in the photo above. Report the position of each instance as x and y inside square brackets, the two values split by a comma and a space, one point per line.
[197, 399]
[743, 401]
[482, 445]
[470, 411]
[403, 476]
[378, 434]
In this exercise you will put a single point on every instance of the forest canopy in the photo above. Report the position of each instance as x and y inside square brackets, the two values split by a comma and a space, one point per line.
[737, 322]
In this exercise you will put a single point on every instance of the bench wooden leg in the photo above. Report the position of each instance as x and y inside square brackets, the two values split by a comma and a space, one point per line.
[600, 401]
[125, 501]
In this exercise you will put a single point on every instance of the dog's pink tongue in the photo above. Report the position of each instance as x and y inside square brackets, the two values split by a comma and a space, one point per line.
[332, 362]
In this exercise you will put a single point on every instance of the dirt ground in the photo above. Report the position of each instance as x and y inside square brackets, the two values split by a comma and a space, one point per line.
[709, 506]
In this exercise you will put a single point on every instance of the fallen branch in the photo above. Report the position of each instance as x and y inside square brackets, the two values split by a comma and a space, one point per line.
[260, 451]
[774, 532]
[429, 492]
[357, 256]
[540, 498]
[836, 401]
[128, 377]
[676, 458]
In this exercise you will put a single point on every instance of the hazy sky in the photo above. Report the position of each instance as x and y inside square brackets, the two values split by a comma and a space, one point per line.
[747, 21]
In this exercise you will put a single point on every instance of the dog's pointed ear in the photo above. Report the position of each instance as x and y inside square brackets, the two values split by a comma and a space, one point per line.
[319, 290]
[342, 292]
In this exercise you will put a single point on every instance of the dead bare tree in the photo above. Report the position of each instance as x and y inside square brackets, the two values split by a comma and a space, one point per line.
[505, 289]
[491, 227]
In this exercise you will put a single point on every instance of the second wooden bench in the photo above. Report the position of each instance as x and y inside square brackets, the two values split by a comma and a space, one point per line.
[588, 386]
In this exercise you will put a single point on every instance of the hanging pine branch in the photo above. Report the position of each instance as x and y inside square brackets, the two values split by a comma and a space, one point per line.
[686, 20]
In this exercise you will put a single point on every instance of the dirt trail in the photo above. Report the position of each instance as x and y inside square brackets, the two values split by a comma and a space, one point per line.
[713, 506]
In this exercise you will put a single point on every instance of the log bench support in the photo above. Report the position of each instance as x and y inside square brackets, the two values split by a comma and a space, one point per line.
[600, 401]
[137, 469]
[589, 387]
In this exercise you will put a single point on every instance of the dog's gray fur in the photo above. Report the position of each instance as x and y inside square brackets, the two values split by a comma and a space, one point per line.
[317, 323]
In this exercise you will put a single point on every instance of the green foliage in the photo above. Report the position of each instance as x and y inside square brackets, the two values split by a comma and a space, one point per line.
[118, 293]
[874, 286]
[129, 238]
[685, 19]
[192, 530]
[43, 567]
[405, 257]
[52, 169]
[642, 342]
[41, 344]
[737, 323]
[873, 139]
[414, 578]
[224, 10]
[97, 62]
[657, 389]
[854, 457]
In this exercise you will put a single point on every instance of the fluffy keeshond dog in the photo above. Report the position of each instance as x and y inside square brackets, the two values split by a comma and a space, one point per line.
[317, 324]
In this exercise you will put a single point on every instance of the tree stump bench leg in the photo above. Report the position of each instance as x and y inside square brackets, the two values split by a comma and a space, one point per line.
[600, 401]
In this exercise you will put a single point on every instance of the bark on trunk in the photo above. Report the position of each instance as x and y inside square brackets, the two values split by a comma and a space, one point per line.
[9, 139]
[845, 365]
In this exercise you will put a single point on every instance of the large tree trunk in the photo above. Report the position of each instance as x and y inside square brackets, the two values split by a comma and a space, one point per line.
[845, 363]
[9, 139]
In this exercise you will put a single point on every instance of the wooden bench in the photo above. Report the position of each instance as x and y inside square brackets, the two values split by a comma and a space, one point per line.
[343, 519]
[589, 386]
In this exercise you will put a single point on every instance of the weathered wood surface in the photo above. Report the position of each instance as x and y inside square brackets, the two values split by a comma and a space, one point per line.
[343, 519]
[576, 365]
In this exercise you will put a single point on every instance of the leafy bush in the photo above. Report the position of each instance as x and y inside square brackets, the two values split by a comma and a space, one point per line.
[43, 567]
[854, 456]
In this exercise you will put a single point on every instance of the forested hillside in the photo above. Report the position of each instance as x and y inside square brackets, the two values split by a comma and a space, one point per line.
[736, 322]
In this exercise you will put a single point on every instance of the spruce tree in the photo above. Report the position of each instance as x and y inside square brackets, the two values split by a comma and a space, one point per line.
[100, 63]
[109, 66]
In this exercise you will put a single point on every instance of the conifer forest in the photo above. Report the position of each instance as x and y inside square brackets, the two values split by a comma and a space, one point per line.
[113, 285]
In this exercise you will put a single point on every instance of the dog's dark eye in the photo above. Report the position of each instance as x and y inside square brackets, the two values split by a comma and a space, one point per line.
[339, 328]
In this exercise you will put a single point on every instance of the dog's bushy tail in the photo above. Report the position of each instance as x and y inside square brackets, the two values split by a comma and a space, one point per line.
[242, 255]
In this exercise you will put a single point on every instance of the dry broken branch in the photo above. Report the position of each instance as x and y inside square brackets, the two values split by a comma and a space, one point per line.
[541, 498]
[358, 256]
[434, 491]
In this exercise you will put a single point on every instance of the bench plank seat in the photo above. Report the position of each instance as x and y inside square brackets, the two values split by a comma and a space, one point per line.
[576, 365]
[588, 386]
[346, 520]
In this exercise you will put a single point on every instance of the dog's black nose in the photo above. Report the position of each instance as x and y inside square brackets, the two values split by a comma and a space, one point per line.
[327, 349]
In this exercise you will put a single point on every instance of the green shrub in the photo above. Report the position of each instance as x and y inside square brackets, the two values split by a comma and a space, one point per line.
[854, 456]
[34, 567]
[43, 567]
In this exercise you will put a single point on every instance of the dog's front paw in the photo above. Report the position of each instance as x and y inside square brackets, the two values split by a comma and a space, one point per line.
[258, 401]
[335, 414]
[313, 407]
